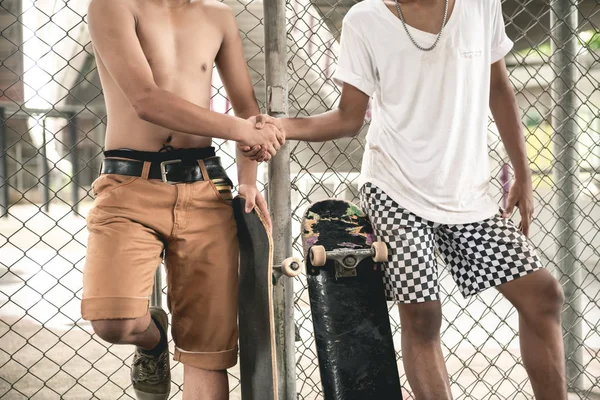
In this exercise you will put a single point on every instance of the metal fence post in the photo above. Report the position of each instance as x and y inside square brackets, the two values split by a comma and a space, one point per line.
[280, 194]
[74, 158]
[564, 24]
[156, 298]
[3, 167]
[45, 168]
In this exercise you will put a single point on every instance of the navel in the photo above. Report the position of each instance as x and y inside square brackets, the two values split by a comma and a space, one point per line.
[204, 67]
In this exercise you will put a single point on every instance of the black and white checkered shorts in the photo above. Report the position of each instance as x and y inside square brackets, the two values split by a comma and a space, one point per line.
[478, 255]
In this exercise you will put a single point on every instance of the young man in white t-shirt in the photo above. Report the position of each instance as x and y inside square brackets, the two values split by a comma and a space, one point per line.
[425, 174]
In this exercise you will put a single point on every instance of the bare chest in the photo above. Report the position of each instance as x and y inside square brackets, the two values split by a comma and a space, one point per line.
[181, 45]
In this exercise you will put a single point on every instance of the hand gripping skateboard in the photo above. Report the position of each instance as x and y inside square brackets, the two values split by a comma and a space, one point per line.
[258, 361]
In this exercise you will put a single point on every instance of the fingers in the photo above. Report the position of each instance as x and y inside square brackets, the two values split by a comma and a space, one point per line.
[265, 157]
[262, 205]
[526, 218]
[249, 204]
[280, 136]
[261, 121]
[510, 205]
[525, 227]
[251, 152]
[271, 150]
[260, 156]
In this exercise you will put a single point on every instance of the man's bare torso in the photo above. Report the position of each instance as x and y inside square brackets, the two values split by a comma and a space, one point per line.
[180, 42]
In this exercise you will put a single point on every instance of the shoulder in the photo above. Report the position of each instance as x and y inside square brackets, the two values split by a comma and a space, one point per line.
[104, 14]
[220, 13]
[218, 9]
[99, 8]
[361, 14]
[488, 8]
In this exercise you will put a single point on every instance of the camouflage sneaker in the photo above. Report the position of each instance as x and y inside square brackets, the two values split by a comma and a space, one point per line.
[151, 376]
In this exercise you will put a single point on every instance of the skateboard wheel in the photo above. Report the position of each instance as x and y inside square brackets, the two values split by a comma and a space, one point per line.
[380, 251]
[291, 267]
[318, 257]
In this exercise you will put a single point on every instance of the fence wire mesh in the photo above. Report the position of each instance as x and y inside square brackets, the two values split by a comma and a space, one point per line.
[51, 136]
[479, 336]
[52, 133]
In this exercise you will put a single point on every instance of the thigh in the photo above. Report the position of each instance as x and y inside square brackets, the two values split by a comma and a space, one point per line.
[411, 272]
[486, 254]
[202, 270]
[122, 256]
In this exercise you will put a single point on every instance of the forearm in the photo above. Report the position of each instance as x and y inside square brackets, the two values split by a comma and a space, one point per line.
[247, 168]
[168, 110]
[505, 111]
[323, 127]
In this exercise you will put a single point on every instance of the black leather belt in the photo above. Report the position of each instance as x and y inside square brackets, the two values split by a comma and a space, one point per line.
[176, 171]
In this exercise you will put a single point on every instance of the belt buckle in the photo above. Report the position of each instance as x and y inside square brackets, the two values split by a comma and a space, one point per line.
[163, 172]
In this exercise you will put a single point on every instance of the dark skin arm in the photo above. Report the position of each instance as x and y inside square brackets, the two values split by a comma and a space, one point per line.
[344, 121]
[503, 104]
[347, 119]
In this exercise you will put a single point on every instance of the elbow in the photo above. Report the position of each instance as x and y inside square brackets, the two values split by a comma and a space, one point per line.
[353, 127]
[350, 121]
[143, 104]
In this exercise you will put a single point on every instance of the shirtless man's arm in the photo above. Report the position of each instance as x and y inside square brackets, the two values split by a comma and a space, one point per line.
[112, 27]
[240, 92]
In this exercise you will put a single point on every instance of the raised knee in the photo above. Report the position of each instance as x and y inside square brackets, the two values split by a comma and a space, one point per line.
[113, 331]
[423, 320]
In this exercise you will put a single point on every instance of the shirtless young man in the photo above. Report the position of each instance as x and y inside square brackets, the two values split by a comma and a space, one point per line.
[425, 174]
[163, 191]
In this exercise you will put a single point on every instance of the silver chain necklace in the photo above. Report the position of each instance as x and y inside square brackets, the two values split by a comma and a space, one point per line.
[410, 36]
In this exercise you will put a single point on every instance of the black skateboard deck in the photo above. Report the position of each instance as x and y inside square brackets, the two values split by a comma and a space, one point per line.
[352, 329]
[258, 363]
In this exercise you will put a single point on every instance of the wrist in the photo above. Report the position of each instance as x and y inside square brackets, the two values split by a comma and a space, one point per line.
[289, 127]
[244, 187]
[239, 129]
[523, 175]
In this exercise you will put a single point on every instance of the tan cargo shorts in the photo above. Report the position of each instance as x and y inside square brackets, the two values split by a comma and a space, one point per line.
[133, 224]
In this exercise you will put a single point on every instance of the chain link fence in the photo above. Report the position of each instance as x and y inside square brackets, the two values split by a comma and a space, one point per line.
[554, 69]
[51, 135]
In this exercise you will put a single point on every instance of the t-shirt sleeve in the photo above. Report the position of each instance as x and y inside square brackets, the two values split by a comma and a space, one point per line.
[501, 44]
[355, 65]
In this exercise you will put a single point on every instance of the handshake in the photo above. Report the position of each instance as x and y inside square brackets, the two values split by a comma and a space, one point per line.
[264, 138]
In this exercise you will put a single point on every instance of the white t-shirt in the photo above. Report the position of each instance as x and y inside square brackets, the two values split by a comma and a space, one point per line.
[427, 143]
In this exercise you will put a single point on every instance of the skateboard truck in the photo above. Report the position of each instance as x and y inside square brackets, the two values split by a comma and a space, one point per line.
[346, 260]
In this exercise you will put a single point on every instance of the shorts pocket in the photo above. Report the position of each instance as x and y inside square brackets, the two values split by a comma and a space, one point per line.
[108, 182]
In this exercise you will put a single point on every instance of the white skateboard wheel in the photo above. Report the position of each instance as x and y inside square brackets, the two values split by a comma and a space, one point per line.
[318, 257]
[291, 267]
[380, 251]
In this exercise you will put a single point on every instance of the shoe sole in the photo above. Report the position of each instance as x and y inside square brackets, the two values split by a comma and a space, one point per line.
[151, 396]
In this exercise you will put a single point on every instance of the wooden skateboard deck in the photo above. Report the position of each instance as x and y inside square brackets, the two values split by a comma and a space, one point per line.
[258, 363]
[350, 316]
